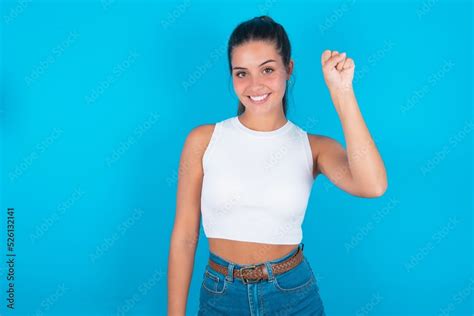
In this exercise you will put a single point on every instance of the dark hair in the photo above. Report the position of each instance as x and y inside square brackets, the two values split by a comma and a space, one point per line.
[266, 29]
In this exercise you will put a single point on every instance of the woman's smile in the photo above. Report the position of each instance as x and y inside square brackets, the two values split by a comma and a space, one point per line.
[259, 99]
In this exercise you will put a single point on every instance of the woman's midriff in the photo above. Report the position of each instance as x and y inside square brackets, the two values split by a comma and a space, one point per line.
[243, 252]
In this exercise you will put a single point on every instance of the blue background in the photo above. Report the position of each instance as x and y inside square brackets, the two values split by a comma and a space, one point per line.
[97, 98]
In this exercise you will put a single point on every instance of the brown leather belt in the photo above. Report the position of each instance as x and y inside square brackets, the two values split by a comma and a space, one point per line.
[257, 272]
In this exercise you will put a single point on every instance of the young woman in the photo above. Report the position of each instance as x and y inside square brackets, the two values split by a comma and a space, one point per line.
[250, 177]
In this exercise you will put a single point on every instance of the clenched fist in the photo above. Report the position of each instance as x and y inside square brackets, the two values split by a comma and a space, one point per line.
[338, 70]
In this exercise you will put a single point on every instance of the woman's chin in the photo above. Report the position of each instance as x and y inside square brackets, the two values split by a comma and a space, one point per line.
[258, 109]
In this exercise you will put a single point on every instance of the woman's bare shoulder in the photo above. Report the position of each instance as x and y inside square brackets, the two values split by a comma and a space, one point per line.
[316, 141]
[202, 133]
[319, 140]
[319, 144]
[198, 138]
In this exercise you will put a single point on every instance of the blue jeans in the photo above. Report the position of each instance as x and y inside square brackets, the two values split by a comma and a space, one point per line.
[294, 292]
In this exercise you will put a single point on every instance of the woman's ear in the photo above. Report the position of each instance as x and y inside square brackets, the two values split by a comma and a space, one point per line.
[290, 68]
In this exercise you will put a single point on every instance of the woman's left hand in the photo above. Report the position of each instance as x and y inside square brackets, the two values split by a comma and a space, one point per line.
[338, 71]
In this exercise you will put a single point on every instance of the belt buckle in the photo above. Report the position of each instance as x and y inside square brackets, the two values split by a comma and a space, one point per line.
[246, 281]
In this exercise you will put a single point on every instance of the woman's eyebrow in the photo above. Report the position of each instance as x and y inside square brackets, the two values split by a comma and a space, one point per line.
[270, 60]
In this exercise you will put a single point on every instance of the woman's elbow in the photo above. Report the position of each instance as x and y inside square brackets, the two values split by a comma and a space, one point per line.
[376, 190]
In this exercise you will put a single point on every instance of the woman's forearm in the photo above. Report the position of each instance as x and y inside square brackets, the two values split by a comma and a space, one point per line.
[366, 165]
[180, 269]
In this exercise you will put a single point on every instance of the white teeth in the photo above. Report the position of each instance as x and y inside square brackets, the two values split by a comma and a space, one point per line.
[259, 98]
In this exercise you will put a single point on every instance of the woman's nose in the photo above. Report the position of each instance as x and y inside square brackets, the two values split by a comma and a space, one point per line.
[256, 84]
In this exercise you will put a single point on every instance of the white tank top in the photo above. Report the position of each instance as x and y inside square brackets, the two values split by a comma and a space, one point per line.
[256, 184]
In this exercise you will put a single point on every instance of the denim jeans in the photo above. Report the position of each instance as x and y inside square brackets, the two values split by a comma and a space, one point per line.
[294, 292]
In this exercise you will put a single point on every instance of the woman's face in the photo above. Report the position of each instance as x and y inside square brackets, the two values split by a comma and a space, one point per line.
[259, 76]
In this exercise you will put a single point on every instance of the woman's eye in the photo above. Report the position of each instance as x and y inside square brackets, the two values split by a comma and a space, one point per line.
[268, 70]
[241, 74]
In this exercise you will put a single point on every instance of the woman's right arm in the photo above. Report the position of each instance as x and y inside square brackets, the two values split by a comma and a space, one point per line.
[185, 234]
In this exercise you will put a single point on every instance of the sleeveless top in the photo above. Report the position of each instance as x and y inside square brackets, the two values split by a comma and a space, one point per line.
[256, 184]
